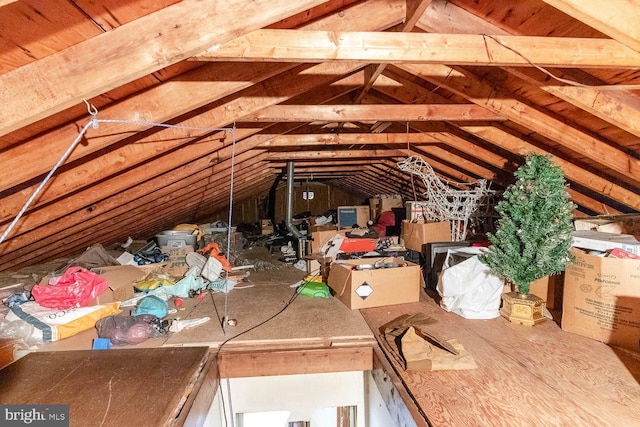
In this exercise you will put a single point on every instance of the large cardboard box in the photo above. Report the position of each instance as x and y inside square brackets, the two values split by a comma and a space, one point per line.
[603, 241]
[415, 210]
[383, 203]
[549, 288]
[175, 267]
[120, 279]
[374, 287]
[602, 299]
[416, 234]
[266, 227]
[319, 238]
[348, 216]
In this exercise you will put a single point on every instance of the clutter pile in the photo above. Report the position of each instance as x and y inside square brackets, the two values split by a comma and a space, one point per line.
[125, 296]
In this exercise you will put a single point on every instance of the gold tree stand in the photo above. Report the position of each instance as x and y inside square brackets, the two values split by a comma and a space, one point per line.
[523, 309]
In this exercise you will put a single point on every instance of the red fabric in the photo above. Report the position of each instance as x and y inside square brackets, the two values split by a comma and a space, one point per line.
[75, 288]
[385, 219]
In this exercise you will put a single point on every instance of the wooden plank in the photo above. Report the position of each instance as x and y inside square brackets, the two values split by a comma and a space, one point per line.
[517, 145]
[537, 375]
[332, 323]
[618, 107]
[184, 95]
[472, 87]
[428, 48]
[373, 112]
[150, 106]
[289, 84]
[109, 388]
[338, 139]
[88, 69]
[196, 408]
[618, 20]
[402, 407]
[234, 364]
[335, 154]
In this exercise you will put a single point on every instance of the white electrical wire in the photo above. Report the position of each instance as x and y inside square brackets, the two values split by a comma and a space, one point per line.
[94, 123]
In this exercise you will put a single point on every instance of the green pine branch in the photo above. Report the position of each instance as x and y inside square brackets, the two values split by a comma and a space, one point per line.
[533, 235]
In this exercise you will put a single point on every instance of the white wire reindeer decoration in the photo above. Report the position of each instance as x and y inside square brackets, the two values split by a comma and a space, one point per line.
[445, 202]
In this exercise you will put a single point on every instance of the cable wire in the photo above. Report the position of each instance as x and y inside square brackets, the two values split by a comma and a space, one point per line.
[94, 123]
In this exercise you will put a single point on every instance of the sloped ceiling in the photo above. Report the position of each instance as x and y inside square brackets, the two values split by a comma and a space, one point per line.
[345, 89]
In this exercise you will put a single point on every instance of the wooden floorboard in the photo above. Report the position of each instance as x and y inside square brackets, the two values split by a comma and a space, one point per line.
[130, 387]
[235, 364]
[305, 322]
[526, 376]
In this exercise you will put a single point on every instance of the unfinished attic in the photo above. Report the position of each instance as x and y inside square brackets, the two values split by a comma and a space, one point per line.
[260, 210]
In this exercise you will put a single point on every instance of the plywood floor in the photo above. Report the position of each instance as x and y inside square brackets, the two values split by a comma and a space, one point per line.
[132, 387]
[526, 376]
[305, 322]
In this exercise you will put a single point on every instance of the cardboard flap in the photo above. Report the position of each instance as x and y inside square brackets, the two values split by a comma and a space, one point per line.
[412, 341]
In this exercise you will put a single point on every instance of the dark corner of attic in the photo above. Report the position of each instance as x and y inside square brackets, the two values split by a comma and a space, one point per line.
[312, 280]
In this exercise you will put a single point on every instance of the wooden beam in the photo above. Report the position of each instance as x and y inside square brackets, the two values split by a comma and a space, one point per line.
[136, 49]
[621, 109]
[619, 19]
[372, 112]
[338, 139]
[253, 98]
[415, 9]
[519, 147]
[214, 81]
[453, 49]
[235, 364]
[335, 154]
[618, 107]
[506, 140]
[472, 87]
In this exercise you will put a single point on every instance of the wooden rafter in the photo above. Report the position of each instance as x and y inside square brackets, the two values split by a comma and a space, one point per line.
[112, 59]
[619, 19]
[372, 112]
[478, 91]
[398, 48]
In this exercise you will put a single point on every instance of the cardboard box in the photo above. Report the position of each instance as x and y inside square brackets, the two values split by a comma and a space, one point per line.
[319, 238]
[416, 210]
[374, 287]
[348, 216]
[318, 265]
[620, 224]
[176, 266]
[416, 234]
[549, 288]
[602, 299]
[314, 228]
[120, 279]
[379, 204]
[266, 227]
[601, 241]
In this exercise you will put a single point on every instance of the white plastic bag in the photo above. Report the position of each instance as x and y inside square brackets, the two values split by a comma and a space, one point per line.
[468, 288]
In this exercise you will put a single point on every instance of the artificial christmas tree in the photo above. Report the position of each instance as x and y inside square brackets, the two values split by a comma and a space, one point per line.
[533, 236]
